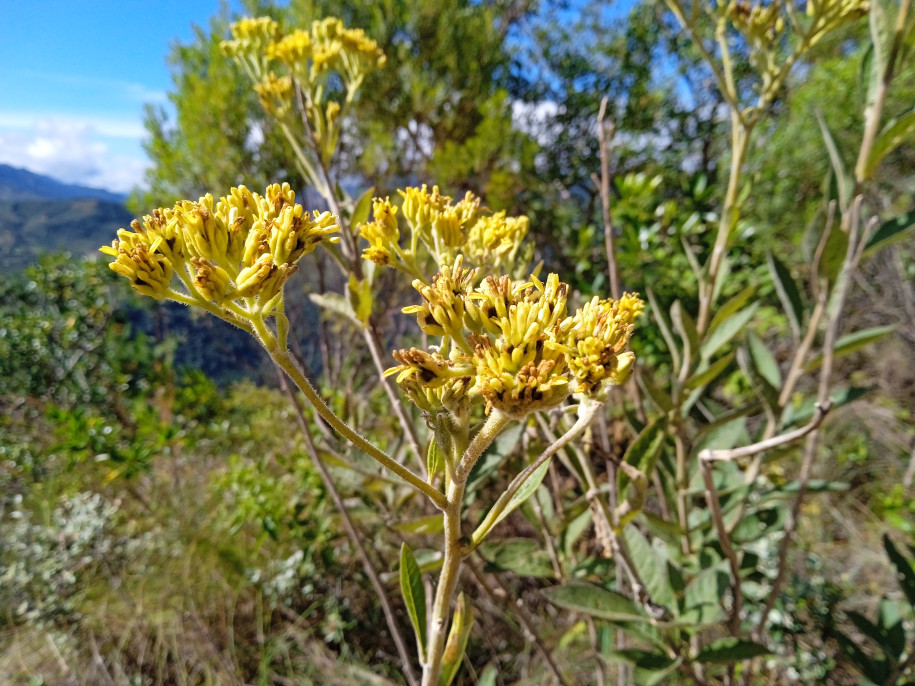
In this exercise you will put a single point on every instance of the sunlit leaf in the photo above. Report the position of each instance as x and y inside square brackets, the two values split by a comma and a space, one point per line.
[729, 328]
[414, 595]
[596, 601]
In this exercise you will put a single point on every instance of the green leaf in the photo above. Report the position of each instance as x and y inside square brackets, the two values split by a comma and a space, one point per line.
[664, 328]
[644, 659]
[336, 303]
[891, 231]
[495, 455]
[875, 670]
[456, 645]
[889, 619]
[362, 208]
[525, 491]
[838, 398]
[706, 589]
[430, 524]
[658, 396]
[843, 180]
[730, 307]
[894, 134]
[522, 556]
[414, 595]
[731, 649]
[643, 452]
[764, 361]
[574, 530]
[754, 526]
[686, 328]
[706, 376]
[596, 602]
[788, 294]
[762, 387]
[888, 634]
[435, 459]
[728, 328]
[852, 343]
[905, 574]
[489, 677]
[360, 296]
[834, 254]
[651, 567]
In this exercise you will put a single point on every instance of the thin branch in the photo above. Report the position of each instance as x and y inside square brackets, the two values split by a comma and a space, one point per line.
[520, 611]
[852, 220]
[711, 455]
[604, 137]
[351, 532]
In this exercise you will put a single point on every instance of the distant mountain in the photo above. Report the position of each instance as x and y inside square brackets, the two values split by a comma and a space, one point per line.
[29, 228]
[39, 214]
[20, 184]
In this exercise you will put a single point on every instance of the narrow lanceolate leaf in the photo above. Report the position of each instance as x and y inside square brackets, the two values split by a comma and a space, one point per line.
[731, 650]
[597, 602]
[362, 208]
[891, 231]
[788, 293]
[730, 307]
[414, 595]
[461, 625]
[853, 342]
[686, 328]
[643, 452]
[703, 377]
[894, 134]
[727, 330]
[838, 165]
[905, 573]
[763, 360]
[360, 296]
[663, 326]
[435, 459]
[527, 489]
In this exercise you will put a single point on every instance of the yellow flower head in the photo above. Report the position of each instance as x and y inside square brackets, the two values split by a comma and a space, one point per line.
[494, 240]
[292, 48]
[149, 272]
[275, 94]
[241, 246]
[597, 342]
[250, 35]
[442, 313]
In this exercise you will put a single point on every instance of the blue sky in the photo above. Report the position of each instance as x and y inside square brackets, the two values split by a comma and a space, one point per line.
[74, 77]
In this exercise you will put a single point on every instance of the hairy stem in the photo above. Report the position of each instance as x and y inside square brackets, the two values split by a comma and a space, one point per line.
[353, 535]
[284, 360]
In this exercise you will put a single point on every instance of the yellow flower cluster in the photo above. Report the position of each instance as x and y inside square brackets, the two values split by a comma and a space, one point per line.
[251, 34]
[243, 246]
[309, 55]
[511, 344]
[759, 23]
[446, 228]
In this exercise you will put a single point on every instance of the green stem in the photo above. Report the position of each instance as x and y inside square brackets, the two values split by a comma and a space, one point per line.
[447, 583]
[284, 360]
[484, 438]
[587, 411]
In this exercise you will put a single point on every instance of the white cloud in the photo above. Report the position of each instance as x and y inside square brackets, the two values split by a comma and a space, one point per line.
[98, 152]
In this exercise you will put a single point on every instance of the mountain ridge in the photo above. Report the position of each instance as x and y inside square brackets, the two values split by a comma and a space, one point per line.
[39, 215]
[21, 184]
